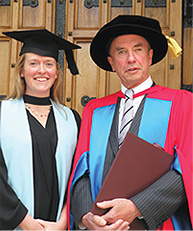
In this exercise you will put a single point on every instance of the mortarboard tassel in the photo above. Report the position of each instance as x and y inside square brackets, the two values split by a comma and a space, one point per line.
[173, 47]
[71, 62]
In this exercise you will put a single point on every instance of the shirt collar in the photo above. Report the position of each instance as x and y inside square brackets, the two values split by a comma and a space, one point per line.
[143, 86]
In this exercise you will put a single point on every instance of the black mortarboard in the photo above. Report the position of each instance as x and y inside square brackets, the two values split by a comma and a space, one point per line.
[45, 43]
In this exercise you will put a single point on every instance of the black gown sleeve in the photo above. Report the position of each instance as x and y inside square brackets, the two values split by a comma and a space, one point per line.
[77, 118]
[12, 211]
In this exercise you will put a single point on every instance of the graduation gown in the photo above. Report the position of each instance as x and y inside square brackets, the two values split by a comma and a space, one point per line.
[163, 109]
[47, 190]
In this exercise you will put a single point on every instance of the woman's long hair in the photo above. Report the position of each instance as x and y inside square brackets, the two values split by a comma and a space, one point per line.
[19, 85]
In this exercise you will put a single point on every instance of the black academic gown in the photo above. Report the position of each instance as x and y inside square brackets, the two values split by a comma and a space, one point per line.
[44, 141]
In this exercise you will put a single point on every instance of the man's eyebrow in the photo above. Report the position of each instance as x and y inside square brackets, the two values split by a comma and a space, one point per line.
[136, 45]
[120, 48]
[139, 45]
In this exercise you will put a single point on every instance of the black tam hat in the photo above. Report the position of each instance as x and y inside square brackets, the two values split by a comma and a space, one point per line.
[128, 24]
[44, 43]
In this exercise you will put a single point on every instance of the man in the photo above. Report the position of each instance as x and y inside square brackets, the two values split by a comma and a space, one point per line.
[128, 45]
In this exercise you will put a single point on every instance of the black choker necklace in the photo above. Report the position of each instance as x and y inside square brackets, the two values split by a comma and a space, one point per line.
[36, 100]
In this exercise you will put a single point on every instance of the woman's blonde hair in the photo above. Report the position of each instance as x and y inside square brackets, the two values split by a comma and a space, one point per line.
[19, 85]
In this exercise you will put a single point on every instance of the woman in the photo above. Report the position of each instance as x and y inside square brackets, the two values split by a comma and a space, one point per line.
[38, 137]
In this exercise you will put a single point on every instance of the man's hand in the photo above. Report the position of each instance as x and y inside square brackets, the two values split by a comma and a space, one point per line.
[95, 222]
[123, 209]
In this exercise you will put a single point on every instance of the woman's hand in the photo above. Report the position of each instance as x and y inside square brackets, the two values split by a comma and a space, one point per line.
[59, 225]
[49, 225]
[29, 223]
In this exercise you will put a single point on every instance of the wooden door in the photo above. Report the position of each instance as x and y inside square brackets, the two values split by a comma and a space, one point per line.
[20, 15]
[85, 17]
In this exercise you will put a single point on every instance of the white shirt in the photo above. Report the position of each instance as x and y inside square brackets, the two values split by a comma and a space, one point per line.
[136, 102]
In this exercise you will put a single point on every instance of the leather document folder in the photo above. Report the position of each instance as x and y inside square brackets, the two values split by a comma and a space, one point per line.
[136, 166]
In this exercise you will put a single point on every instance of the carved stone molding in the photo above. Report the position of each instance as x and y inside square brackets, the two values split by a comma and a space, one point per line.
[5, 2]
[2, 97]
[114, 3]
[187, 87]
[125, 3]
[155, 3]
[188, 13]
[60, 27]
[31, 3]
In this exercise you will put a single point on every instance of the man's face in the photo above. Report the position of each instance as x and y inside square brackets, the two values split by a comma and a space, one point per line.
[130, 57]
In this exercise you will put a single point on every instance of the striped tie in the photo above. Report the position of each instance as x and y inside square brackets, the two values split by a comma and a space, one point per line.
[127, 115]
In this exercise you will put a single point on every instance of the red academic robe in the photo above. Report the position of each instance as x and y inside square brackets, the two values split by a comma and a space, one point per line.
[177, 138]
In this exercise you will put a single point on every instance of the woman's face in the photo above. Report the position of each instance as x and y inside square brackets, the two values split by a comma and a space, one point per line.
[40, 73]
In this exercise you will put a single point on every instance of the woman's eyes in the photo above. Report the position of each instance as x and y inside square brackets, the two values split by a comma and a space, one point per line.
[32, 63]
[47, 64]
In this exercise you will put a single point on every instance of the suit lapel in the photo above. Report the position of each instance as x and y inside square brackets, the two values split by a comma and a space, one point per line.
[112, 146]
[134, 128]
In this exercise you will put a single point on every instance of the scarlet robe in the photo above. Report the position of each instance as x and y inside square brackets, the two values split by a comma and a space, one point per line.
[166, 120]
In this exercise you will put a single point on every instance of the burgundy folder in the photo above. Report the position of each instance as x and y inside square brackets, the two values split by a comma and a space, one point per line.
[136, 166]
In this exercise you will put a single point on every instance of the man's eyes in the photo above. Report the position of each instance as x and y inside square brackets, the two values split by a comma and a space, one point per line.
[122, 52]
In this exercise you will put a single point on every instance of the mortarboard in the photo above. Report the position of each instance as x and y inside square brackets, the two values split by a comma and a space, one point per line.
[45, 43]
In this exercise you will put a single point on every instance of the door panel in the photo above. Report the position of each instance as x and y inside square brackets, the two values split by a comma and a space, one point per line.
[188, 58]
[187, 71]
[117, 10]
[84, 18]
[20, 15]
[83, 83]
[4, 67]
[32, 16]
[6, 19]
[82, 23]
